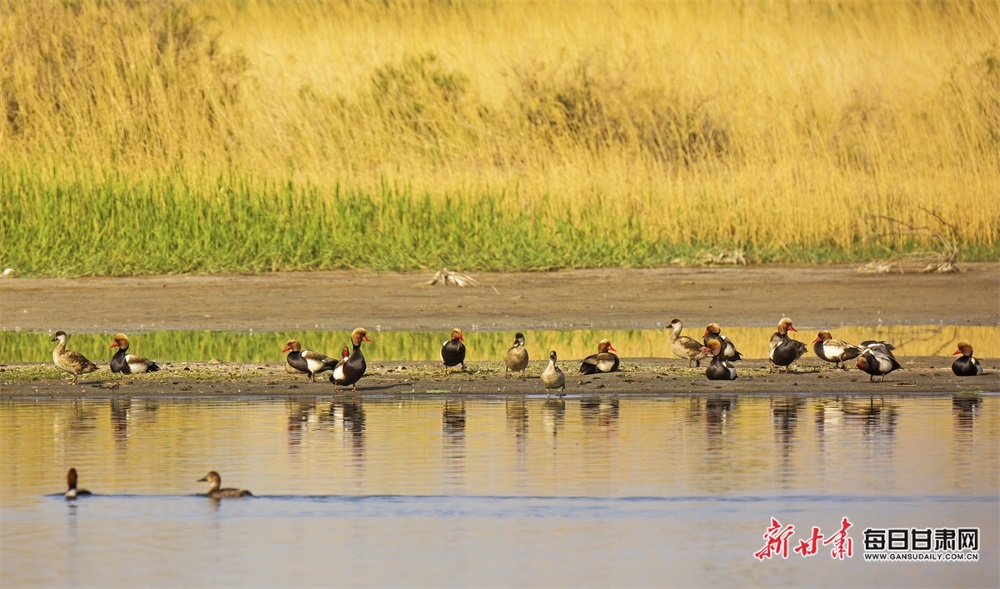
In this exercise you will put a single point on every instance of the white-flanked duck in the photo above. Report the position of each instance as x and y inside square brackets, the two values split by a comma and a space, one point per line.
[517, 357]
[967, 364]
[350, 370]
[877, 360]
[553, 377]
[73, 362]
[215, 492]
[729, 351]
[126, 363]
[603, 361]
[834, 350]
[720, 368]
[306, 361]
[73, 492]
[453, 350]
[784, 350]
[683, 346]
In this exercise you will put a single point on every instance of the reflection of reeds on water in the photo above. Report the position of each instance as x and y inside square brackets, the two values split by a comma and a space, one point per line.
[572, 345]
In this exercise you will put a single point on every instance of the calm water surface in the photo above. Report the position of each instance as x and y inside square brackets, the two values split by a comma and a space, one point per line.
[592, 491]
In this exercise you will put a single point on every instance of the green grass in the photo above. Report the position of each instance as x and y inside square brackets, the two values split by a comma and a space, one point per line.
[120, 226]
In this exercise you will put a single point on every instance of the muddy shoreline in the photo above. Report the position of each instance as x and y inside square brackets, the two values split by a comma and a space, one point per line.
[582, 299]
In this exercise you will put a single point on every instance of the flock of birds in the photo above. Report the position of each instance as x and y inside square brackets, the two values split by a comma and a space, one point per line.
[215, 490]
[873, 357]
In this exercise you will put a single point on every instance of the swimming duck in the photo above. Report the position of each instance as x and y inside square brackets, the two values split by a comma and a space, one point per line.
[453, 350]
[834, 350]
[214, 492]
[720, 368]
[73, 362]
[306, 361]
[552, 376]
[350, 370]
[877, 360]
[126, 363]
[783, 350]
[729, 351]
[73, 492]
[683, 346]
[517, 357]
[966, 365]
[602, 361]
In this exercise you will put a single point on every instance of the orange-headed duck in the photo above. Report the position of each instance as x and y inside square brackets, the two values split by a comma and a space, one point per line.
[552, 376]
[602, 361]
[350, 370]
[517, 357]
[720, 368]
[73, 362]
[834, 350]
[453, 350]
[306, 361]
[784, 350]
[683, 346]
[729, 351]
[214, 492]
[877, 360]
[966, 364]
[73, 492]
[126, 363]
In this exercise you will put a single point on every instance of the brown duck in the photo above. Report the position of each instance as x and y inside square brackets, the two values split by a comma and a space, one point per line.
[73, 362]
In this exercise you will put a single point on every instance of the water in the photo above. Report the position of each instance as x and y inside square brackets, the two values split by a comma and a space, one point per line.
[432, 491]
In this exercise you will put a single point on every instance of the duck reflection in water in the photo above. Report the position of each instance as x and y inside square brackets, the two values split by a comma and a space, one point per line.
[517, 420]
[453, 437]
[120, 408]
[300, 411]
[878, 419]
[717, 415]
[349, 413]
[554, 415]
[964, 408]
[785, 417]
[599, 411]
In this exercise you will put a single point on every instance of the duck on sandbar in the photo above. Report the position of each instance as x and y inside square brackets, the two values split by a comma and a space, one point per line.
[350, 370]
[73, 492]
[453, 350]
[306, 361]
[833, 350]
[729, 351]
[73, 362]
[876, 359]
[126, 363]
[214, 492]
[516, 359]
[720, 368]
[782, 349]
[553, 377]
[684, 347]
[603, 361]
[966, 364]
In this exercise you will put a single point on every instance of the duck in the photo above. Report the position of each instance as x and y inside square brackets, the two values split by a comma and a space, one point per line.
[453, 350]
[967, 364]
[306, 361]
[214, 492]
[602, 361]
[877, 360]
[517, 356]
[73, 362]
[783, 350]
[553, 377]
[73, 492]
[729, 351]
[834, 350]
[350, 369]
[126, 363]
[683, 346]
[720, 368]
